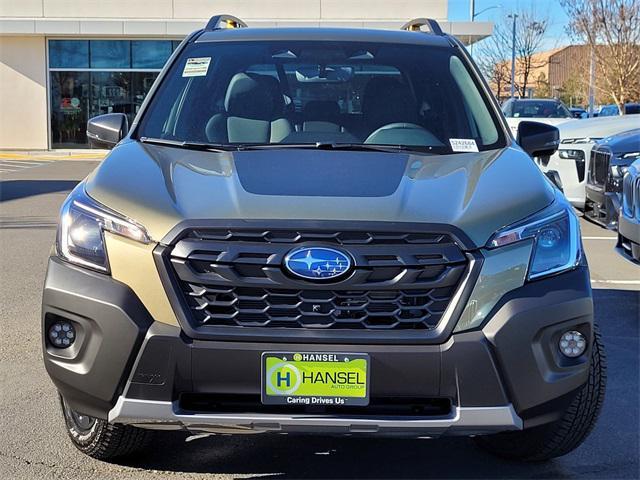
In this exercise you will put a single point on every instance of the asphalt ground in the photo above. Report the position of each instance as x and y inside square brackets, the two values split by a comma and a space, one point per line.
[33, 443]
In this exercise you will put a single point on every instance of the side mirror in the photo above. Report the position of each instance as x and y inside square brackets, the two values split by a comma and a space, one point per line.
[554, 176]
[105, 131]
[538, 139]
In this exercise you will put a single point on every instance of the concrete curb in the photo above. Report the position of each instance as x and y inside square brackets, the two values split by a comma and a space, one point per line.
[52, 155]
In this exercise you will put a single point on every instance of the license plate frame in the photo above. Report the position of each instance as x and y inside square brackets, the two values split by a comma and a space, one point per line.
[310, 378]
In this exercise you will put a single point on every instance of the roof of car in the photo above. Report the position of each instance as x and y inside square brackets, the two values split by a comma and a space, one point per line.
[324, 34]
[554, 100]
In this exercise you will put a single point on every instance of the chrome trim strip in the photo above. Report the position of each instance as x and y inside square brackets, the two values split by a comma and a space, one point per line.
[166, 416]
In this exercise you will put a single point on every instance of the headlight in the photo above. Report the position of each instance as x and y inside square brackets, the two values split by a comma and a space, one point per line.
[619, 170]
[556, 235]
[571, 154]
[80, 231]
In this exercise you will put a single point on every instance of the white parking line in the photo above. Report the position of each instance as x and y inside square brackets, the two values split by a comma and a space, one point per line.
[599, 238]
[23, 162]
[9, 166]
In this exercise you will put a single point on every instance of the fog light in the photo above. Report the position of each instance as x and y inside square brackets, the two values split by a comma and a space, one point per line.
[62, 334]
[572, 344]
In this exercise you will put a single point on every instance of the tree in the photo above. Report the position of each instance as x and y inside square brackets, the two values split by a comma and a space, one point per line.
[573, 91]
[543, 89]
[530, 33]
[612, 29]
[492, 55]
[495, 52]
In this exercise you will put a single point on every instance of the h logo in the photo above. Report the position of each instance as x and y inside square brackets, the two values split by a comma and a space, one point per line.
[286, 379]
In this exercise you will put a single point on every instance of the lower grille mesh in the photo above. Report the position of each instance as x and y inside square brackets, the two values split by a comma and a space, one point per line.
[379, 309]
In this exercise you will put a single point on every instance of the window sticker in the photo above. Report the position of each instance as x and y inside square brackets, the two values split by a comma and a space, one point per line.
[463, 145]
[196, 67]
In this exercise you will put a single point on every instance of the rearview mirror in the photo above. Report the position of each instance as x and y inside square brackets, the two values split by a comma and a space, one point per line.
[538, 139]
[328, 74]
[105, 131]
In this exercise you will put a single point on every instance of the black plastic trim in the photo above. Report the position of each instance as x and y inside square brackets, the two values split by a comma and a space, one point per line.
[461, 239]
[112, 321]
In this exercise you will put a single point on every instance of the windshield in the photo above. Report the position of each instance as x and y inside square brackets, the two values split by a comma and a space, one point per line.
[310, 92]
[539, 109]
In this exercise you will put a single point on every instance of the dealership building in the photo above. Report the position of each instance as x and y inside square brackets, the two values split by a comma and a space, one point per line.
[65, 61]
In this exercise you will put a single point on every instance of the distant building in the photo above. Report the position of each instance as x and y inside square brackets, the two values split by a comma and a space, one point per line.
[569, 74]
[537, 81]
[560, 73]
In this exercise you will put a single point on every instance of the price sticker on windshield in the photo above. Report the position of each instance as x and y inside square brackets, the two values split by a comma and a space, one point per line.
[196, 67]
[463, 145]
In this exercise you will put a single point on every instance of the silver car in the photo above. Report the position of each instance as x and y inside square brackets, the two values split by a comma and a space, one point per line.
[629, 219]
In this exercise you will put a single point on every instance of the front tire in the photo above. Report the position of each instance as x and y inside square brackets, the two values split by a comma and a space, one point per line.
[100, 439]
[545, 442]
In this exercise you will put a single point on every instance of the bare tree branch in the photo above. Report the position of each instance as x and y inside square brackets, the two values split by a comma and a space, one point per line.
[530, 34]
[494, 53]
[612, 29]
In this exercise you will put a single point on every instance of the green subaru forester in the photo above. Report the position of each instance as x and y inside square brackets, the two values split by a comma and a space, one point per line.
[321, 231]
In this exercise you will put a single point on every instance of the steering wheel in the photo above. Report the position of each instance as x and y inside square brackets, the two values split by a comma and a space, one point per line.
[401, 133]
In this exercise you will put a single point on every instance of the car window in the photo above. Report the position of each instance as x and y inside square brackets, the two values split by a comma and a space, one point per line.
[308, 92]
[608, 111]
[539, 109]
[507, 108]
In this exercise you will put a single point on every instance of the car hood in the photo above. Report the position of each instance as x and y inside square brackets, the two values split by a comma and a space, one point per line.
[597, 127]
[161, 186]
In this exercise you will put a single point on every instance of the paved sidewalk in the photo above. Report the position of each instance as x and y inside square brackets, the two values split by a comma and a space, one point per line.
[52, 155]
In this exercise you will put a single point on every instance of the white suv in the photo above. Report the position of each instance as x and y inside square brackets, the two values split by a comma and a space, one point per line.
[577, 138]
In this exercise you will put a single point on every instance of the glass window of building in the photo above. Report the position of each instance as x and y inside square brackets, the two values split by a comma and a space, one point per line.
[69, 53]
[110, 53]
[92, 77]
[149, 53]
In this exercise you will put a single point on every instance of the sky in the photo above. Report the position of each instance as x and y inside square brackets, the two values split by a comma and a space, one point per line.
[556, 36]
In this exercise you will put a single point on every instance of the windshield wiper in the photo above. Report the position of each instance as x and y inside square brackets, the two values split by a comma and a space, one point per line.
[222, 147]
[210, 147]
[362, 147]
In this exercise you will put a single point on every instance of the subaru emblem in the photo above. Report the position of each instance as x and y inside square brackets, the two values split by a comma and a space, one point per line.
[317, 263]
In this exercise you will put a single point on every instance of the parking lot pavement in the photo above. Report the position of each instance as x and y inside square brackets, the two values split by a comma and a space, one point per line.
[33, 444]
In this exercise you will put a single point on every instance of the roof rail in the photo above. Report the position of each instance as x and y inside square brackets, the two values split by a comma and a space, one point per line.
[415, 24]
[219, 22]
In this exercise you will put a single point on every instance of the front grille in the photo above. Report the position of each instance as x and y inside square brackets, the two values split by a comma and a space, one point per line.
[599, 167]
[631, 196]
[235, 278]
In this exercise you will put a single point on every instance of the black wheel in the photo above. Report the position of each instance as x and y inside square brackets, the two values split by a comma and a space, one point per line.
[100, 439]
[545, 442]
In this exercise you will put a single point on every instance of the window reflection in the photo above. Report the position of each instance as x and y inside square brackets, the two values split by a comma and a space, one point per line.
[110, 54]
[69, 53]
[69, 108]
[76, 96]
[149, 53]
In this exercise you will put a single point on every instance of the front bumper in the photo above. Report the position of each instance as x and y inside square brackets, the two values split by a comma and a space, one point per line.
[128, 368]
[462, 421]
[602, 206]
[629, 237]
[573, 173]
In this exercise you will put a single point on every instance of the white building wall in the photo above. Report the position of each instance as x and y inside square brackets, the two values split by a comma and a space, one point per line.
[247, 9]
[23, 93]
